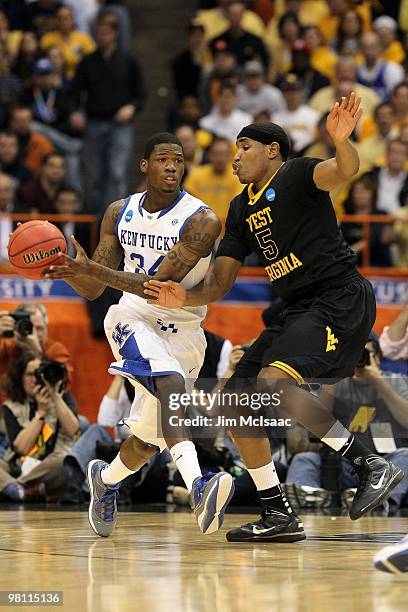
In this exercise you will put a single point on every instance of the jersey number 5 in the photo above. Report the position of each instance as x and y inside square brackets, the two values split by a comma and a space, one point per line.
[268, 246]
[140, 264]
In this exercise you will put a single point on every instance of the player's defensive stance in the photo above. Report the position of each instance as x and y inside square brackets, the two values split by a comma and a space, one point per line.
[285, 215]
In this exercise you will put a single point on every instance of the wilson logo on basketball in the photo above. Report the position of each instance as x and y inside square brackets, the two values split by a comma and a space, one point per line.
[30, 258]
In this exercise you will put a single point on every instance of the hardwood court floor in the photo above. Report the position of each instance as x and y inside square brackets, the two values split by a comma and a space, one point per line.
[160, 562]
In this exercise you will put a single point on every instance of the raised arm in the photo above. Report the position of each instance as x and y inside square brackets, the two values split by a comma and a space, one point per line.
[217, 282]
[340, 124]
[196, 241]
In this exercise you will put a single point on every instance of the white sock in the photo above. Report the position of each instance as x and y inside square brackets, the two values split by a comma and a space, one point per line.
[184, 455]
[337, 437]
[264, 477]
[115, 472]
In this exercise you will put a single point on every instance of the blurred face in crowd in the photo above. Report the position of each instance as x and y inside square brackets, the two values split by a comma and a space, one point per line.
[400, 100]
[396, 156]
[21, 119]
[6, 192]
[370, 47]
[46, 81]
[351, 24]
[106, 36]
[293, 97]
[363, 198]
[345, 71]
[54, 169]
[29, 381]
[187, 137]
[343, 89]
[312, 37]
[386, 34]
[189, 110]
[54, 54]
[235, 13]
[227, 101]
[290, 30]
[164, 168]
[384, 118]
[220, 156]
[67, 203]
[254, 82]
[224, 63]
[337, 6]
[8, 148]
[29, 43]
[65, 20]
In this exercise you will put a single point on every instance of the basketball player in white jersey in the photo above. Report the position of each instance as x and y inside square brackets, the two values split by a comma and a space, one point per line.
[163, 233]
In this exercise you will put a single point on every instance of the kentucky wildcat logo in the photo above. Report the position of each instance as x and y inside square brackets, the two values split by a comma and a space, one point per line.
[40, 255]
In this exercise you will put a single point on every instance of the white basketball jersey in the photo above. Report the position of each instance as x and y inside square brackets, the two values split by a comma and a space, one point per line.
[146, 238]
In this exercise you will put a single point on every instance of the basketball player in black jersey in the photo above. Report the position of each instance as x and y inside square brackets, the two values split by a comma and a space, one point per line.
[285, 215]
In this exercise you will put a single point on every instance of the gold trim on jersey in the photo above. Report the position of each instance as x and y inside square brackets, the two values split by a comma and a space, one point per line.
[288, 370]
[254, 197]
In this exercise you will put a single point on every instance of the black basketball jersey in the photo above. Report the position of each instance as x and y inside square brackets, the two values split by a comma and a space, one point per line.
[292, 226]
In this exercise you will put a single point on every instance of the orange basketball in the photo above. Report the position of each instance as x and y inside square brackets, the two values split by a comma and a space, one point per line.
[34, 246]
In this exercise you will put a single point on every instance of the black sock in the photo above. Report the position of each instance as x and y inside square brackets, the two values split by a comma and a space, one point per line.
[274, 499]
[353, 449]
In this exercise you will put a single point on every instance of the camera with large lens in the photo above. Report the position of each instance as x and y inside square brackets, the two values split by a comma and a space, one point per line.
[51, 371]
[23, 324]
[364, 360]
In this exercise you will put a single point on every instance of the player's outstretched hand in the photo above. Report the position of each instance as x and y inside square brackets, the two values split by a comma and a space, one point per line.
[344, 117]
[69, 267]
[168, 294]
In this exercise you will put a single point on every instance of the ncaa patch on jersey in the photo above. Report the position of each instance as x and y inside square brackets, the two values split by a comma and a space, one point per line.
[128, 216]
[270, 194]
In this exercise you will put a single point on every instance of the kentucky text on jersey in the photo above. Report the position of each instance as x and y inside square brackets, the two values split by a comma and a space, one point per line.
[152, 241]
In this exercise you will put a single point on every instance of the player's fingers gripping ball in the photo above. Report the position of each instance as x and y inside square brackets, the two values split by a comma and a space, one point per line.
[34, 246]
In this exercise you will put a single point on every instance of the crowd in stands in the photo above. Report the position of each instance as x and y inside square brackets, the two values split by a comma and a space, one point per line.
[289, 61]
[70, 90]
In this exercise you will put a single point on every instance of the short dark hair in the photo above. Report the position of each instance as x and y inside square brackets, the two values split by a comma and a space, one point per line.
[160, 138]
[109, 20]
[13, 380]
[68, 189]
[380, 106]
[397, 87]
[8, 134]
[48, 156]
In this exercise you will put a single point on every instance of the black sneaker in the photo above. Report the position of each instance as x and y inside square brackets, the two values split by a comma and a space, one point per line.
[377, 479]
[274, 526]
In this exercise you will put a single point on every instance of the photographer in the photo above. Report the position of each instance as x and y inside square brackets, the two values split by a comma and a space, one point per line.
[374, 405]
[26, 329]
[41, 425]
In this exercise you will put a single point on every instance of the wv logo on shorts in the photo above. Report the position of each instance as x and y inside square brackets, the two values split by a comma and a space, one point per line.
[121, 333]
[331, 340]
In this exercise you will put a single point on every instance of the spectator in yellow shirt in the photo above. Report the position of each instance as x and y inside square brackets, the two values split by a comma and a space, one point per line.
[215, 21]
[392, 50]
[329, 24]
[214, 183]
[372, 150]
[73, 44]
[322, 58]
